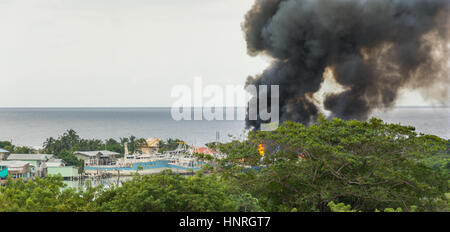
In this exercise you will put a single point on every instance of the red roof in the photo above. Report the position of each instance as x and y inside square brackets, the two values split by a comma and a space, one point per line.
[205, 151]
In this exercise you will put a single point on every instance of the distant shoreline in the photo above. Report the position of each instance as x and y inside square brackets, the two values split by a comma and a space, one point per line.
[31, 126]
[168, 107]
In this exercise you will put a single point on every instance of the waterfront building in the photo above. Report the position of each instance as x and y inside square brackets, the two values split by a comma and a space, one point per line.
[53, 162]
[38, 162]
[150, 147]
[67, 172]
[205, 151]
[97, 158]
[17, 169]
[209, 151]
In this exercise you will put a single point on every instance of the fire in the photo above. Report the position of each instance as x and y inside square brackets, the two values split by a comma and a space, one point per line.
[261, 149]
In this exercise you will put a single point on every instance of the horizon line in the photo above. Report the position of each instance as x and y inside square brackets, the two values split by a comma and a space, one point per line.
[165, 107]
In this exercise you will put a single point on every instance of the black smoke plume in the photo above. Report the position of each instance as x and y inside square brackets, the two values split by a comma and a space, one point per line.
[374, 48]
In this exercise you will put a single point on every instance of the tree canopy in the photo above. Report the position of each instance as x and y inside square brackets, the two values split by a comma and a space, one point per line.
[368, 165]
[170, 193]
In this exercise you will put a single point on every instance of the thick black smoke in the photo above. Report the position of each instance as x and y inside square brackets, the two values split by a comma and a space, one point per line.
[374, 48]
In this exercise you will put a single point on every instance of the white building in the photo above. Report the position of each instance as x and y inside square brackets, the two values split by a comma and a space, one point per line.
[55, 163]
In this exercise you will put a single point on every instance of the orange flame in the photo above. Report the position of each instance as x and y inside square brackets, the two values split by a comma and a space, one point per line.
[261, 149]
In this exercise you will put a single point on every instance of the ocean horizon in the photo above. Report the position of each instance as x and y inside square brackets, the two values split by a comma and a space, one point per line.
[31, 126]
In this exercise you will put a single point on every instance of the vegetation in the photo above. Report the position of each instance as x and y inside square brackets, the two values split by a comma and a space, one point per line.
[45, 195]
[132, 142]
[164, 192]
[15, 149]
[70, 141]
[440, 160]
[170, 144]
[333, 165]
[169, 193]
[368, 165]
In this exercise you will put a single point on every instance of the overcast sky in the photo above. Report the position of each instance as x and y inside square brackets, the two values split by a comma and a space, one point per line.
[121, 53]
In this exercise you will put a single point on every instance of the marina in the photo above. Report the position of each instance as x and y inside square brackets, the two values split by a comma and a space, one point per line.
[106, 165]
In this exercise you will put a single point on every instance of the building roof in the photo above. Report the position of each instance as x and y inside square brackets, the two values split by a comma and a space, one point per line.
[152, 142]
[3, 151]
[42, 157]
[205, 150]
[55, 163]
[63, 167]
[14, 164]
[55, 160]
[95, 153]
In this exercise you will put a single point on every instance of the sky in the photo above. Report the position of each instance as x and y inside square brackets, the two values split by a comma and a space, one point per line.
[123, 53]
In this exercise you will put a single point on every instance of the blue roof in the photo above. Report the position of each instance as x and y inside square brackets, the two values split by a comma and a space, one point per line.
[3, 151]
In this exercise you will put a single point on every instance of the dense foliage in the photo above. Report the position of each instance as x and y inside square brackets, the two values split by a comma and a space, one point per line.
[6, 145]
[170, 144]
[440, 160]
[169, 193]
[368, 165]
[164, 192]
[45, 195]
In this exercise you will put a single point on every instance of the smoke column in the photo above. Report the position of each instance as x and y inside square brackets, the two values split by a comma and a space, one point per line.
[373, 48]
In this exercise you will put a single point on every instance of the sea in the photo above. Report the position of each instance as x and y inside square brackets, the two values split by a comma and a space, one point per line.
[32, 126]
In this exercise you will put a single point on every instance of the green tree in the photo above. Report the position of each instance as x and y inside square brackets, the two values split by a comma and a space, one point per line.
[440, 160]
[64, 146]
[367, 165]
[167, 192]
[170, 144]
[45, 195]
[6, 145]
[15, 149]
[341, 207]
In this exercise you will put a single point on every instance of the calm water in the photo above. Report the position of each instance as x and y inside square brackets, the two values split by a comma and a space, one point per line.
[31, 126]
[430, 120]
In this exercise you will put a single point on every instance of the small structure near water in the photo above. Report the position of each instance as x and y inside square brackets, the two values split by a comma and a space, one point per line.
[67, 172]
[55, 163]
[96, 158]
[205, 151]
[17, 169]
[58, 167]
[37, 161]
